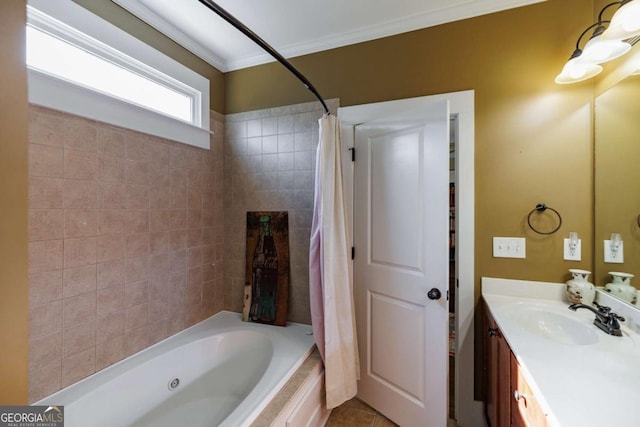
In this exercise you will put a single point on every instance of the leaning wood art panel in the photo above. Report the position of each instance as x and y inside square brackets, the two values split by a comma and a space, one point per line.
[267, 268]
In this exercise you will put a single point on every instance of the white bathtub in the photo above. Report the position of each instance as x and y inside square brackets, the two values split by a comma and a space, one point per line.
[228, 371]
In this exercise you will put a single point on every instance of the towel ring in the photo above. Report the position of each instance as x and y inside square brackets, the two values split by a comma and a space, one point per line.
[541, 207]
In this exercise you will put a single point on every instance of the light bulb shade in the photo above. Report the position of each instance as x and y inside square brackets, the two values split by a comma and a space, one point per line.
[574, 72]
[625, 22]
[599, 51]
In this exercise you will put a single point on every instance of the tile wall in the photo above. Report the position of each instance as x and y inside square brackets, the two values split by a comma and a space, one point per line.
[270, 165]
[125, 243]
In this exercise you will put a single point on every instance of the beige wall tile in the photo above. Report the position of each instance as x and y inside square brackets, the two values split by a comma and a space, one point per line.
[79, 280]
[45, 378]
[80, 134]
[110, 141]
[137, 197]
[79, 165]
[78, 338]
[137, 221]
[160, 267]
[80, 251]
[136, 269]
[80, 222]
[118, 216]
[137, 339]
[45, 287]
[79, 309]
[46, 224]
[110, 300]
[111, 195]
[48, 347]
[160, 198]
[78, 366]
[110, 273]
[136, 293]
[79, 194]
[45, 319]
[45, 193]
[160, 220]
[111, 222]
[137, 245]
[136, 316]
[137, 172]
[159, 242]
[109, 248]
[110, 326]
[46, 127]
[135, 146]
[111, 169]
[45, 255]
[178, 219]
[110, 352]
[159, 174]
[45, 160]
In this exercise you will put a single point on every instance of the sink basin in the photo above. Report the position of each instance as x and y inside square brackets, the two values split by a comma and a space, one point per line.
[547, 322]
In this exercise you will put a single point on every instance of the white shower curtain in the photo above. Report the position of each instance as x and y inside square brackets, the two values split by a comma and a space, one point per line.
[331, 288]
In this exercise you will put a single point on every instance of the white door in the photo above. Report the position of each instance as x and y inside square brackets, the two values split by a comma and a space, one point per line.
[401, 205]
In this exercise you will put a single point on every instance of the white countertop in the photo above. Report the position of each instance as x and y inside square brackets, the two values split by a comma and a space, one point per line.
[577, 385]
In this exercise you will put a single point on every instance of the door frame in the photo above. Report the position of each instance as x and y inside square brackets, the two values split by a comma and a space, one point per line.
[469, 412]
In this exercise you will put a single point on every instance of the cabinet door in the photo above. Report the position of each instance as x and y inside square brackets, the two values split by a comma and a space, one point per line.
[491, 369]
[525, 409]
[498, 388]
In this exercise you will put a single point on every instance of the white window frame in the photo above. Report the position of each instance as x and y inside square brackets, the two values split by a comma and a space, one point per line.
[71, 22]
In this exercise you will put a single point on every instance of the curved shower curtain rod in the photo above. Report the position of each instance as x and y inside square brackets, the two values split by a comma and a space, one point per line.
[264, 45]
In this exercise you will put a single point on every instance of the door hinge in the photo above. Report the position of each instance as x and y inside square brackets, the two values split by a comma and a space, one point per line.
[353, 252]
[353, 154]
[447, 295]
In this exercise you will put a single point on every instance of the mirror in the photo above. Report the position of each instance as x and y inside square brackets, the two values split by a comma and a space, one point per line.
[617, 181]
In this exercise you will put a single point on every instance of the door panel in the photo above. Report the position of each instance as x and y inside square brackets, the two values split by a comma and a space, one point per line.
[401, 190]
[395, 218]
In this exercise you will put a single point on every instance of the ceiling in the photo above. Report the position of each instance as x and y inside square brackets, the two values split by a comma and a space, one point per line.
[297, 27]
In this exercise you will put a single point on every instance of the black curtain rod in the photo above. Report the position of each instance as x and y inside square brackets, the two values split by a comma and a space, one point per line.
[260, 42]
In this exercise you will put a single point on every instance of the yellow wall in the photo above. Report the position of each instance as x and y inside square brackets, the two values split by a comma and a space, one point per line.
[14, 311]
[533, 137]
[119, 17]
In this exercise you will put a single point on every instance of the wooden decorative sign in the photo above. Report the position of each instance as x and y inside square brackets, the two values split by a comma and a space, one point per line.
[266, 285]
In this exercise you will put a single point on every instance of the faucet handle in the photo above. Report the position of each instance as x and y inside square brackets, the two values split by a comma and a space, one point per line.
[602, 308]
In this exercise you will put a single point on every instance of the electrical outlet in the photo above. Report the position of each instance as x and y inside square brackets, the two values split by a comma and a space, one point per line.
[614, 257]
[509, 247]
[572, 254]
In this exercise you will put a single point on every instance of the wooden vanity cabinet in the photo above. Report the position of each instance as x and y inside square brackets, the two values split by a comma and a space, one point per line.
[525, 409]
[509, 401]
[497, 375]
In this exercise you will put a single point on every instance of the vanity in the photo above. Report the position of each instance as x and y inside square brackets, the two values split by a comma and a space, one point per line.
[546, 365]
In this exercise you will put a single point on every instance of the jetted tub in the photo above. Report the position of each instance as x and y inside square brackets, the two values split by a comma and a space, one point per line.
[221, 371]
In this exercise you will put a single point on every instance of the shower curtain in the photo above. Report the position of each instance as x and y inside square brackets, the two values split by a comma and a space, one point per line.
[330, 284]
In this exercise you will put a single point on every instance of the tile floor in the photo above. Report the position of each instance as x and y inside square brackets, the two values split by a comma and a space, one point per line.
[355, 413]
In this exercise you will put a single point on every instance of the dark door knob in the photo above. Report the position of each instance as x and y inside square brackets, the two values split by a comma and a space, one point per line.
[434, 293]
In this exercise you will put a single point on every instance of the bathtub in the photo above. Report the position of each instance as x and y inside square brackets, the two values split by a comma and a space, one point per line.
[221, 371]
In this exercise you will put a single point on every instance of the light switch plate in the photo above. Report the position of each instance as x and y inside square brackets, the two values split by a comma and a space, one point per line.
[616, 257]
[572, 255]
[509, 247]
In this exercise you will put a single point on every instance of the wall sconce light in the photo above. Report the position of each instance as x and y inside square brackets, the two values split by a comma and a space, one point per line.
[613, 249]
[605, 44]
[625, 22]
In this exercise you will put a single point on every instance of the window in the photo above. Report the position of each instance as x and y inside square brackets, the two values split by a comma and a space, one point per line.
[75, 72]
